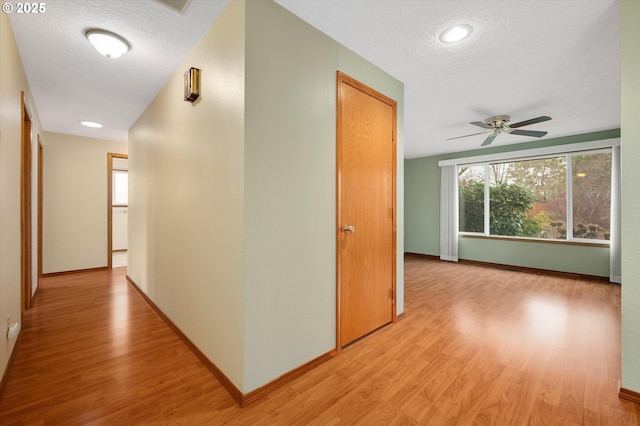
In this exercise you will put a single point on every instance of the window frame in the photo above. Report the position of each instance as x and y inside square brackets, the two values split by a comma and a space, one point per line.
[569, 197]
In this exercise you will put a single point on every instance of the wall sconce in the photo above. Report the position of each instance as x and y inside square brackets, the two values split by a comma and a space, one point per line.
[191, 84]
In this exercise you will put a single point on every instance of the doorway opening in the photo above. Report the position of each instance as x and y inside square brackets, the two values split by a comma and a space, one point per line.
[117, 205]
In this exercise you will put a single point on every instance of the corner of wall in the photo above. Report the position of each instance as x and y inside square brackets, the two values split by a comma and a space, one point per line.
[630, 158]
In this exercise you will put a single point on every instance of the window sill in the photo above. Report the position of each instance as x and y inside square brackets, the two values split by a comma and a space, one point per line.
[536, 240]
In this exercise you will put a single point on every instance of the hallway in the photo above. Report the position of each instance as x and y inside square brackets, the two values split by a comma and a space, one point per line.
[547, 351]
[93, 350]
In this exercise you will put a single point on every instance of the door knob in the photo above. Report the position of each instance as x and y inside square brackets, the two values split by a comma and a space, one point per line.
[348, 229]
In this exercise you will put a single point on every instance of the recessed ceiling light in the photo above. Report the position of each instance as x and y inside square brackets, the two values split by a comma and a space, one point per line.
[107, 43]
[91, 124]
[456, 33]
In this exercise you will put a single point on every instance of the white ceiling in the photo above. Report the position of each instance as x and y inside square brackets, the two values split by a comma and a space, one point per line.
[525, 58]
[71, 82]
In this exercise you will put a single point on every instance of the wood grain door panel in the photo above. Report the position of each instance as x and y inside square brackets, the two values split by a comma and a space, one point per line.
[366, 200]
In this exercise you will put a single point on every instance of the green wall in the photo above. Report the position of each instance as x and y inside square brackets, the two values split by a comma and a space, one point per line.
[630, 226]
[290, 188]
[422, 219]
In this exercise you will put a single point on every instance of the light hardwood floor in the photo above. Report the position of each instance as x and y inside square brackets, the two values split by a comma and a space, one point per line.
[477, 346]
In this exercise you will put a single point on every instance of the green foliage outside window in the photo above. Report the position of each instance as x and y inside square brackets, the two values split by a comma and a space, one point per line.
[509, 204]
[472, 207]
[528, 198]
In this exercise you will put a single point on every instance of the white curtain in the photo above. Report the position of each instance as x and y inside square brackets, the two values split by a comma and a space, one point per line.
[449, 213]
[615, 268]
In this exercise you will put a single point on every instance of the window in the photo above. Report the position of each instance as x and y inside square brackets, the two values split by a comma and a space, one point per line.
[120, 188]
[591, 182]
[528, 198]
[471, 204]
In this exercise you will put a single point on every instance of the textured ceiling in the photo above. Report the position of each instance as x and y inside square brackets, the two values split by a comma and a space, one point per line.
[525, 58]
[71, 82]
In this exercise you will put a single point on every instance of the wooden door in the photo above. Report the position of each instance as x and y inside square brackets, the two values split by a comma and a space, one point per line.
[366, 179]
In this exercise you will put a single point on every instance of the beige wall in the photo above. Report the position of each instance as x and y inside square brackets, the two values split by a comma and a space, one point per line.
[75, 201]
[232, 203]
[12, 82]
[186, 198]
[630, 154]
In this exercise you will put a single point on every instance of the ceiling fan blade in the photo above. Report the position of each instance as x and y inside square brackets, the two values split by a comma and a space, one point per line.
[534, 133]
[465, 136]
[489, 139]
[481, 124]
[531, 121]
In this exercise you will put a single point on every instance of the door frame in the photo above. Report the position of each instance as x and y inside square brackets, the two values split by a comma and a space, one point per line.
[110, 157]
[26, 246]
[40, 207]
[342, 78]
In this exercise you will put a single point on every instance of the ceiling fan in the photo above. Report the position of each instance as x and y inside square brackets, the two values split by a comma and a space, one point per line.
[502, 124]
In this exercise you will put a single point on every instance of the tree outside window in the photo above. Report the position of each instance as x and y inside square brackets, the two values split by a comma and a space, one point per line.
[592, 196]
[529, 198]
[471, 199]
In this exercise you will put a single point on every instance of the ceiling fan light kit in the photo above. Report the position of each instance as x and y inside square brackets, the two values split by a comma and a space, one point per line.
[502, 124]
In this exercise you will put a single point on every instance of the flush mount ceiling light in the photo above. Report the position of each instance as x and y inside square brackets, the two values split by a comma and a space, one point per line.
[91, 124]
[456, 33]
[107, 43]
